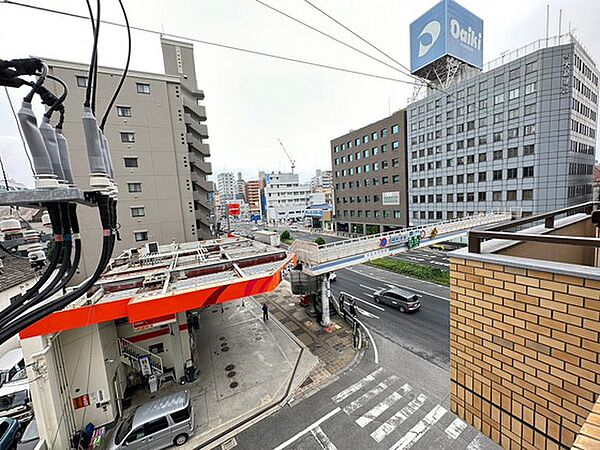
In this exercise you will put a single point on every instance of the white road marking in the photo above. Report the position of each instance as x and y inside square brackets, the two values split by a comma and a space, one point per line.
[455, 428]
[375, 351]
[356, 386]
[476, 443]
[366, 313]
[364, 399]
[390, 425]
[417, 432]
[322, 439]
[369, 303]
[379, 409]
[308, 429]
[367, 287]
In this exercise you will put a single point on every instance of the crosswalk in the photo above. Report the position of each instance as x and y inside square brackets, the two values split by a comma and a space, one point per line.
[395, 415]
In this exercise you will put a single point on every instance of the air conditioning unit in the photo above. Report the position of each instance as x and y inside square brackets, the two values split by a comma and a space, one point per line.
[152, 248]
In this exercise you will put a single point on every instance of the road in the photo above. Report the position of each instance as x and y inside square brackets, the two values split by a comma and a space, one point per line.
[400, 402]
[303, 235]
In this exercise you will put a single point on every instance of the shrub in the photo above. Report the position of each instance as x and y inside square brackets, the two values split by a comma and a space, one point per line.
[320, 241]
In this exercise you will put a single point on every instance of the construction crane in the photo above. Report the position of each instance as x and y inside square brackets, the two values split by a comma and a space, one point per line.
[293, 162]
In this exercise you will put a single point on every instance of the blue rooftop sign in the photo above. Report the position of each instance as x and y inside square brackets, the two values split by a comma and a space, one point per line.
[446, 29]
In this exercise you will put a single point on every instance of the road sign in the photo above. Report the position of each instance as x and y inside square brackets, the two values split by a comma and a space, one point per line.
[233, 209]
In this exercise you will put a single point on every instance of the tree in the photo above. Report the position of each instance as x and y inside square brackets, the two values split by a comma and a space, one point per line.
[285, 236]
[320, 241]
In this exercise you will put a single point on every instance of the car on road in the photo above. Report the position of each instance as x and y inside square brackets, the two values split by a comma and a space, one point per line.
[294, 227]
[395, 297]
[9, 433]
[332, 276]
[254, 229]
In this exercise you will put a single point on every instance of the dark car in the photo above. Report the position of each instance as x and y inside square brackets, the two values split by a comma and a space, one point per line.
[9, 433]
[30, 437]
[398, 298]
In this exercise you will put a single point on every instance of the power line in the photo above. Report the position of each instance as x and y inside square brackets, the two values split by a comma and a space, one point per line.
[12, 108]
[362, 39]
[214, 44]
[4, 174]
[325, 34]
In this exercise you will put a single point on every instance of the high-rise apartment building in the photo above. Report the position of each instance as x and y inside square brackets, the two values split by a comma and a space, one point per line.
[521, 135]
[369, 177]
[323, 179]
[156, 136]
[226, 186]
[286, 199]
[253, 196]
[240, 187]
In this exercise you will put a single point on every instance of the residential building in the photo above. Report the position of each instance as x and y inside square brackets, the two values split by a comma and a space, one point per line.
[369, 177]
[160, 159]
[240, 187]
[322, 180]
[596, 182]
[521, 135]
[524, 315]
[253, 197]
[226, 186]
[286, 199]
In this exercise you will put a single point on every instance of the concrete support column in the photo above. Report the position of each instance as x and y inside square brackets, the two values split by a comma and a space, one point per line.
[178, 362]
[325, 321]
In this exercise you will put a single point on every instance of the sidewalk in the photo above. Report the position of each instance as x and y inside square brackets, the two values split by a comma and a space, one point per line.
[334, 350]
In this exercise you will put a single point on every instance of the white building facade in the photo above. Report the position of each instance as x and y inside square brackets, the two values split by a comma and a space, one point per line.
[226, 186]
[286, 199]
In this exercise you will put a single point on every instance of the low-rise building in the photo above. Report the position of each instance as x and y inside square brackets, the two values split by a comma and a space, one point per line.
[285, 198]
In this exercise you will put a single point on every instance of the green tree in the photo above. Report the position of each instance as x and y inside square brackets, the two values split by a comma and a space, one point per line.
[320, 241]
[285, 236]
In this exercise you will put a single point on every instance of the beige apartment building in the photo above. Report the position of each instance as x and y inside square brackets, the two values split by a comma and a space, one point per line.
[160, 157]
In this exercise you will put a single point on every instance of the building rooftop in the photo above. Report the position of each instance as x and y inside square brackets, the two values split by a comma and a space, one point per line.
[14, 270]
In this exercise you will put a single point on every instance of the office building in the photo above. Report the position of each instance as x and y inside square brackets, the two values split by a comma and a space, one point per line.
[369, 177]
[521, 135]
[226, 186]
[321, 180]
[285, 198]
[156, 133]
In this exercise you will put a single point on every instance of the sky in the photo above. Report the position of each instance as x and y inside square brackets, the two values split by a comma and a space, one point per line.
[251, 101]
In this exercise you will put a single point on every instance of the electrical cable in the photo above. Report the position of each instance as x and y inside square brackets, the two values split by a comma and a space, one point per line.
[327, 35]
[12, 108]
[4, 174]
[363, 39]
[125, 70]
[59, 101]
[214, 44]
[88, 88]
[96, 35]
[37, 84]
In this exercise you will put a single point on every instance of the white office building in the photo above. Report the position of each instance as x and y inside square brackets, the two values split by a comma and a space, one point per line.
[286, 199]
[226, 186]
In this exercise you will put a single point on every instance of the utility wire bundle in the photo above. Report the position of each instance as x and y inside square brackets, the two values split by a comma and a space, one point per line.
[52, 170]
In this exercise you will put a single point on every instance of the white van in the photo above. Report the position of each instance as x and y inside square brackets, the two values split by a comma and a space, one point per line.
[11, 363]
[157, 424]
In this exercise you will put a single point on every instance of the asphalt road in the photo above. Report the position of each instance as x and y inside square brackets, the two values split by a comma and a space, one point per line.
[246, 228]
[398, 402]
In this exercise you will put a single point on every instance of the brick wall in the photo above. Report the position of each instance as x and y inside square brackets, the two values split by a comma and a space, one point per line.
[525, 352]
[589, 435]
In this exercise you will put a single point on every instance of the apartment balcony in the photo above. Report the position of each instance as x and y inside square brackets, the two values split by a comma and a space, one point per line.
[191, 107]
[194, 92]
[201, 198]
[196, 127]
[197, 163]
[525, 301]
[201, 182]
[196, 144]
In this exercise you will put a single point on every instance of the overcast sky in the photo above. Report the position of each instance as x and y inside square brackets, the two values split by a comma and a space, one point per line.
[253, 100]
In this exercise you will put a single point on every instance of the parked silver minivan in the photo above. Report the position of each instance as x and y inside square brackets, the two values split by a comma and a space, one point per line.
[156, 424]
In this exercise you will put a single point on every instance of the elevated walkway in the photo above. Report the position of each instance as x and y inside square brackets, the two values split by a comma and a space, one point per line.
[320, 259]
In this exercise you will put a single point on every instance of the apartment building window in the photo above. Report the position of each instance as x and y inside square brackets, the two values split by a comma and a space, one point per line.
[395, 145]
[82, 81]
[471, 90]
[470, 108]
[422, 182]
[529, 130]
[531, 67]
[349, 144]
[384, 132]
[513, 152]
[527, 194]
[460, 145]
[397, 214]
[511, 174]
[499, 117]
[140, 236]
[530, 88]
[367, 213]
[356, 142]
[395, 162]
[357, 156]
[470, 178]
[395, 129]
[138, 211]
[127, 136]
[350, 157]
[513, 133]
[497, 154]
[530, 109]
[513, 113]
[513, 93]
[460, 111]
[450, 179]
[460, 161]
[384, 164]
[343, 146]
[511, 195]
[513, 74]
[497, 136]
[358, 169]
[498, 79]
[449, 114]
[123, 111]
[383, 148]
[134, 187]
[366, 153]
[375, 151]
[497, 175]
[460, 197]
[438, 181]
[470, 159]
[460, 128]
[430, 198]
[449, 131]
[497, 196]
[528, 149]
[498, 99]
[471, 125]
[483, 139]
[482, 196]
[470, 196]
[130, 161]
[374, 136]
[385, 180]
[482, 157]
[449, 162]
[395, 178]
[527, 172]
[483, 86]
[482, 176]
[483, 104]
[375, 166]
[142, 88]
[365, 139]
[450, 198]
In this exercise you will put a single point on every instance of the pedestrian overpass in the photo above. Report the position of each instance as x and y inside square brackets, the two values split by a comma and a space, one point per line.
[321, 259]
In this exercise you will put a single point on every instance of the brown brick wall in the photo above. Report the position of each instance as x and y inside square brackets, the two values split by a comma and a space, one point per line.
[589, 435]
[525, 352]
